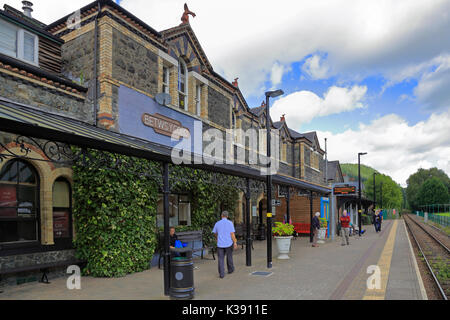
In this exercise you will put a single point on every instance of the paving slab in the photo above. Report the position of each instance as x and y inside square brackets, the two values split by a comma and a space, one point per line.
[310, 273]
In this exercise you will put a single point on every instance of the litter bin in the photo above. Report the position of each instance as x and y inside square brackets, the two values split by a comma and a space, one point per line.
[181, 274]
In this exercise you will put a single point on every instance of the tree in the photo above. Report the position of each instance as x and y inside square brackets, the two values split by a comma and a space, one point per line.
[432, 191]
[392, 191]
[416, 180]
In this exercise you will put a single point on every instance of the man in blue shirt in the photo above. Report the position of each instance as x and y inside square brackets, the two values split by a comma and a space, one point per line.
[226, 241]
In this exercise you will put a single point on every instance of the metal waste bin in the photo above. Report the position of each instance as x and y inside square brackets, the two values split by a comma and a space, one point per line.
[181, 274]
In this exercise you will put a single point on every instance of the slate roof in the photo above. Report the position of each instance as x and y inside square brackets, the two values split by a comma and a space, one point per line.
[332, 169]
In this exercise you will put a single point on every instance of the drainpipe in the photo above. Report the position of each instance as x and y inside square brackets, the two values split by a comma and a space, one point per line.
[326, 163]
[95, 65]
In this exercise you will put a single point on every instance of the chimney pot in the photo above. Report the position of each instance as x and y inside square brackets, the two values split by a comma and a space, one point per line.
[27, 8]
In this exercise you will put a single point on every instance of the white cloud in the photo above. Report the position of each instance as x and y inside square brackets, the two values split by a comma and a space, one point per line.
[302, 106]
[278, 70]
[246, 39]
[394, 147]
[315, 69]
[433, 89]
[48, 11]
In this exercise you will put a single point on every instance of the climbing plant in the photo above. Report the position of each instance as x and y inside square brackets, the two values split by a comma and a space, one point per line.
[115, 210]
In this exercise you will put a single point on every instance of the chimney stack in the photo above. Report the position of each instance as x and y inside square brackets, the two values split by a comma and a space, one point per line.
[282, 118]
[27, 8]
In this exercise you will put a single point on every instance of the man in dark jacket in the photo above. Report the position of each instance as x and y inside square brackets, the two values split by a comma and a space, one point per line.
[315, 226]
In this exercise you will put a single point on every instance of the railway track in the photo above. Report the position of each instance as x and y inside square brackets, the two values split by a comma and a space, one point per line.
[435, 254]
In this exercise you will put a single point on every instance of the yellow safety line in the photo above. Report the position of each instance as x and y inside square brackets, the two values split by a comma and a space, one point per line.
[384, 263]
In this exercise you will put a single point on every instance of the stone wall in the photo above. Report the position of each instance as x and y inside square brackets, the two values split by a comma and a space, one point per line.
[134, 64]
[219, 110]
[78, 59]
[30, 93]
[17, 261]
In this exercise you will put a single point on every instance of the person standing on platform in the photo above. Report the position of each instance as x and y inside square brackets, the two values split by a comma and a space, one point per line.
[374, 217]
[315, 227]
[226, 242]
[345, 227]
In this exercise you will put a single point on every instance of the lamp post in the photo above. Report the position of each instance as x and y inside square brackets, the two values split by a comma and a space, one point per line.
[269, 94]
[374, 192]
[359, 191]
[381, 195]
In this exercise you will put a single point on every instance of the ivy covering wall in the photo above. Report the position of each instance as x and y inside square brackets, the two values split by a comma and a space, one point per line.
[115, 211]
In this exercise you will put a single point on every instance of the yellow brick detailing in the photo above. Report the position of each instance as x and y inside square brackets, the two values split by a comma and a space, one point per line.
[384, 263]
[204, 113]
[105, 38]
[78, 32]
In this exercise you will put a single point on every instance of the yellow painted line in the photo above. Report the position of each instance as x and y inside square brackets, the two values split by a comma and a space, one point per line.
[384, 263]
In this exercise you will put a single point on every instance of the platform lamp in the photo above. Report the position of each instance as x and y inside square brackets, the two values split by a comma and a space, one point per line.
[359, 191]
[269, 94]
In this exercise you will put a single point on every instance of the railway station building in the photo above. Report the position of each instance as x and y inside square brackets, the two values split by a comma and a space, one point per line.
[98, 75]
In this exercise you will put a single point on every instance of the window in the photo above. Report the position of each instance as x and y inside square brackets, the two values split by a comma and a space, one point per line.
[284, 150]
[18, 43]
[62, 210]
[182, 85]
[179, 210]
[166, 80]
[19, 202]
[315, 160]
[236, 137]
[198, 99]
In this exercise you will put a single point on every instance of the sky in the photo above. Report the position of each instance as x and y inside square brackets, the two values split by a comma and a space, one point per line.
[370, 76]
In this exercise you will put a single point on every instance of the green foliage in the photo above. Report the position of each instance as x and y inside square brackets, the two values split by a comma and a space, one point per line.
[392, 192]
[416, 180]
[115, 211]
[115, 218]
[282, 229]
[432, 191]
[351, 170]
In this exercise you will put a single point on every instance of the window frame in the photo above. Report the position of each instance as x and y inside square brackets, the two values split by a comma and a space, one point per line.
[20, 44]
[37, 216]
[166, 85]
[185, 94]
[66, 242]
[198, 99]
[179, 201]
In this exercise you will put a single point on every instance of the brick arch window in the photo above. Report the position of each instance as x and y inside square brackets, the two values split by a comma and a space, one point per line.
[62, 212]
[19, 203]
[182, 84]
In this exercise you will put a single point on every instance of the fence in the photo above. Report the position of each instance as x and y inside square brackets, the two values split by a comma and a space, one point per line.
[390, 214]
[441, 209]
[436, 218]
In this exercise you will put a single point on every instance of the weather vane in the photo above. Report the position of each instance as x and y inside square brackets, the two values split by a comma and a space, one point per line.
[185, 16]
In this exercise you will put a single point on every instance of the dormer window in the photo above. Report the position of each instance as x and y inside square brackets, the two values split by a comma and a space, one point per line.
[18, 43]
[182, 85]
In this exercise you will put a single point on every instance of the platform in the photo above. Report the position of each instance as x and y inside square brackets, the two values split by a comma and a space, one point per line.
[330, 271]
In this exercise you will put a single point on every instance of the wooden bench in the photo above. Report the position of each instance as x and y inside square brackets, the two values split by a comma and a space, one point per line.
[240, 233]
[302, 228]
[44, 267]
[191, 237]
